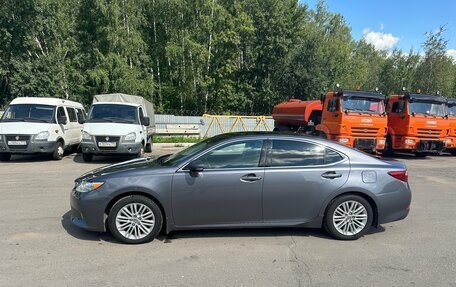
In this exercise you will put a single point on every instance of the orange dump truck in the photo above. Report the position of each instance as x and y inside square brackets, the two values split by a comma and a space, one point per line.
[451, 140]
[417, 123]
[354, 118]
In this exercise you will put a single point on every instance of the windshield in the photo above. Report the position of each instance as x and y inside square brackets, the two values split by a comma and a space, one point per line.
[452, 110]
[428, 108]
[29, 113]
[113, 113]
[365, 105]
[186, 153]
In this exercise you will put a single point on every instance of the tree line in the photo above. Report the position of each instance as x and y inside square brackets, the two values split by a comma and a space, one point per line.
[202, 56]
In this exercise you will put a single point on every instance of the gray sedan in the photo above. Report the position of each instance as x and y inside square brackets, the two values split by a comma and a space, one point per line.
[244, 180]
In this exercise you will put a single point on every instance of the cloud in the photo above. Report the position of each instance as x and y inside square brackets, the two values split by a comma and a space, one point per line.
[380, 40]
[452, 54]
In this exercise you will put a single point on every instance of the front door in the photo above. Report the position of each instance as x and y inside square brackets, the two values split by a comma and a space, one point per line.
[228, 191]
[299, 176]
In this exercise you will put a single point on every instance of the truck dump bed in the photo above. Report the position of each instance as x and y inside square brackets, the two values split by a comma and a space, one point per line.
[147, 106]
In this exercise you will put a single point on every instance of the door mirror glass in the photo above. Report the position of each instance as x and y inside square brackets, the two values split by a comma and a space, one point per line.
[196, 166]
[146, 121]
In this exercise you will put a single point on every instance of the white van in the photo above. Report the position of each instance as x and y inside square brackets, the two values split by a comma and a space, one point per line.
[40, 125]
[118, 124]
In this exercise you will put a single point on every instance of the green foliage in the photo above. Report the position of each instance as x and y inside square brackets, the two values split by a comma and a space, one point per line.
[201, 56]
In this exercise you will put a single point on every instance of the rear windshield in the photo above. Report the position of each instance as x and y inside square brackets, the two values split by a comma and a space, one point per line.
[29, 113]
[113, 114]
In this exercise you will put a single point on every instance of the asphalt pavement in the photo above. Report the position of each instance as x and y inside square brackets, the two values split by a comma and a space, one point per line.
[40, 247]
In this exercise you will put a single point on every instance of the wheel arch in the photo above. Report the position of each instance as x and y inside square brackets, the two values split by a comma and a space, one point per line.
[141, 193]
[364, 195]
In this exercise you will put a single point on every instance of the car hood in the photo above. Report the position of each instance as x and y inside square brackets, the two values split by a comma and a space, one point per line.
[109, 129]
[135, 164]
[23, 128]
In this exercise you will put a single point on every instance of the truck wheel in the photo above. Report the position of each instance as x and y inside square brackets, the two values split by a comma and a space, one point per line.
[388, 151]
[322, 135]
[453, 152]
[5, 156]
[141, 152]
[148, 147]
[421, 154]
[58, 151]
[87, 157]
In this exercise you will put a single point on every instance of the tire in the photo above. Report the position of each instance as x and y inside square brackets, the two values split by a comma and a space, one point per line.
[453, 152]
[132, 232]
[388, 151]
[58, 151]
[148, 147]
[322, 135]
[87, 157]
[5, 156]
[348, 231]
[421, 154]
[140, 154]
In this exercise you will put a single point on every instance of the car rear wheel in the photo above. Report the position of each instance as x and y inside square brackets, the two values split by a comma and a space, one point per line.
[5, 156]
[135, 219]
[348, 217]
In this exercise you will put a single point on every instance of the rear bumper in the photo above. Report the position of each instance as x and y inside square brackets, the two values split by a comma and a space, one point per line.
[121, 149]
[30, 148]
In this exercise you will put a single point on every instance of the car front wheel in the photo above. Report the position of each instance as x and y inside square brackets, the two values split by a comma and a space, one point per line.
[348, 217]
[135, 219]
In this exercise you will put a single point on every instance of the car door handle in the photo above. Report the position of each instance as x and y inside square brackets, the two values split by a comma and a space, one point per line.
[331, 175]
[251, 177]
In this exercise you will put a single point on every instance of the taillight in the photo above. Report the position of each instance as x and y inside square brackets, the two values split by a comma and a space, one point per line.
[401, 175]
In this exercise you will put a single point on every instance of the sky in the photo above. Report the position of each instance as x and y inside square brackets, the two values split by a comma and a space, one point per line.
[389, 24]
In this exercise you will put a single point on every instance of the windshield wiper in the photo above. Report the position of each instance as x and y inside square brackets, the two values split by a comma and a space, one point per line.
[38, 120]
[99, 121]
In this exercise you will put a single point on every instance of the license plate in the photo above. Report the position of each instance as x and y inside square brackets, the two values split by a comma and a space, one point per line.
[17, 143]
[107, 144]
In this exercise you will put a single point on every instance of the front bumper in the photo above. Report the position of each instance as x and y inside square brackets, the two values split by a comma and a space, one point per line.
[362, 143]
[422, 145]
[88, 210]
[450, 143]
[123, 148]
[32, 147]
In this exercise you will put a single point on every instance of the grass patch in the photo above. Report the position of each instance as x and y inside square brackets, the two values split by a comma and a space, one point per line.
[179, 139]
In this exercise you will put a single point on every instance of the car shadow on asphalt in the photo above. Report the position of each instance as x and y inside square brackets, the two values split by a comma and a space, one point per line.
[82, 234]
[15, 158]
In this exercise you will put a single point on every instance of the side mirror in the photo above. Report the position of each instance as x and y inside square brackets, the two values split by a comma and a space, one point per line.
[196, 166]
[81, 121]
[146, 121]
[62, 120]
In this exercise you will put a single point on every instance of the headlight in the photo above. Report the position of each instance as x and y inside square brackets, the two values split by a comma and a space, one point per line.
[42, 136]
[408, 141]
[130, 137]
[86, 136]
[85, 186]
[342, 140]
[381, 141]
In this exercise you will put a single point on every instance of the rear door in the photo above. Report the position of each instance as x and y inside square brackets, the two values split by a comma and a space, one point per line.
[228, 191]
[298, 177]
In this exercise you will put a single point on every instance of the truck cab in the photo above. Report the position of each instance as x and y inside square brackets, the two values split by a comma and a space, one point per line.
[450, 143]
[417, 123]
[354, 118]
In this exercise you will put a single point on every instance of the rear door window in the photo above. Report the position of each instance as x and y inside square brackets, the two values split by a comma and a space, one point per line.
[298, 153]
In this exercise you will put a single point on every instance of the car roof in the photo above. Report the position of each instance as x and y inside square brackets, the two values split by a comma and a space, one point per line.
[45, 101]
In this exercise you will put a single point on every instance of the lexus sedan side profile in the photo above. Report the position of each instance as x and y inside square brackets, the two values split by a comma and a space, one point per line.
[240, 180]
